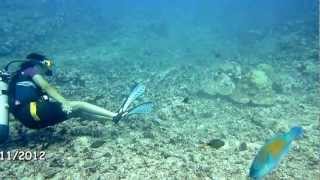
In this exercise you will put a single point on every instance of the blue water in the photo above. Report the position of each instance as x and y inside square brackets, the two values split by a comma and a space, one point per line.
[225, 76]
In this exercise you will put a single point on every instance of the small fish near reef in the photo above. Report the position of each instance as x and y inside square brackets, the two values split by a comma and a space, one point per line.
[213, 143]
[270, 155]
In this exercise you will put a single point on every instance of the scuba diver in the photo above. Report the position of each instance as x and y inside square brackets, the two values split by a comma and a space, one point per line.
[37, 104]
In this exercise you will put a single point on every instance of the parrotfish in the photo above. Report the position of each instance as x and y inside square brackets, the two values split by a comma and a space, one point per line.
[270, 155]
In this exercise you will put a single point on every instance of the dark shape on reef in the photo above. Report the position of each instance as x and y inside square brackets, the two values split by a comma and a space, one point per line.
[217, 55]
[97, 143]
[186, 100]
[243, 146]
[215, 143]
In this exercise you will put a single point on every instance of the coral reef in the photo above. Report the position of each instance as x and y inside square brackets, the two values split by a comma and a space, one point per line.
[215, 104]
[259, 79]
[254, 87]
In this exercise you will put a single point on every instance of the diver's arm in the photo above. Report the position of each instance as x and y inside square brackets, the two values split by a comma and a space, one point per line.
[46, 87]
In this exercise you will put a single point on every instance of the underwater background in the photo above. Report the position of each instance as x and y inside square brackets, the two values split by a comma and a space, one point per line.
[225, 76]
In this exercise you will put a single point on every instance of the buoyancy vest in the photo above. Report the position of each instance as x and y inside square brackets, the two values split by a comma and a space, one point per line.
[22, 90]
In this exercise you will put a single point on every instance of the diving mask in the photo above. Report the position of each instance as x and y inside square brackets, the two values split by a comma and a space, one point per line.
[48, 64]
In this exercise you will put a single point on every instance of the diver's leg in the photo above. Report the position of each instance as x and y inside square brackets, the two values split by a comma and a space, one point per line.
[93, 109]
[86, 115]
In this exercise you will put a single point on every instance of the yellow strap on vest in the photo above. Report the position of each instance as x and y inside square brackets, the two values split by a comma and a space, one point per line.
[33, 111]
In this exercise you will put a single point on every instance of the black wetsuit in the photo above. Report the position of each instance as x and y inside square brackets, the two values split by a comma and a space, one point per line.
[30, 105]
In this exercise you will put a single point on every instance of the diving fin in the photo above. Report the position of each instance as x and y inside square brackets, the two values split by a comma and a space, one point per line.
[137, 91]
[143, 108]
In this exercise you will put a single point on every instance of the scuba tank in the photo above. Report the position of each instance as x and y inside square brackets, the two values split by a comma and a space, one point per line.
[4, 106]
[5, 76]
